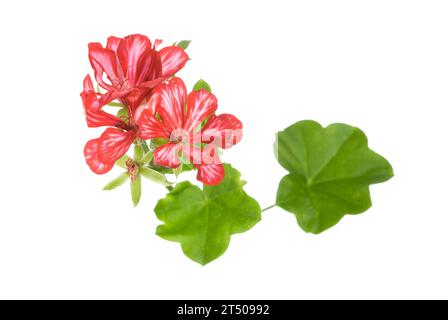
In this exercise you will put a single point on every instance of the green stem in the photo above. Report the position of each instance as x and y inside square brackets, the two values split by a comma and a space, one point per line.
[144, 146]
[169, 188]
[268, 208]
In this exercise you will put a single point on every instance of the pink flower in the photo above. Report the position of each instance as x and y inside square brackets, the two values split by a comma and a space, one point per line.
[133, 67]
[192, 128]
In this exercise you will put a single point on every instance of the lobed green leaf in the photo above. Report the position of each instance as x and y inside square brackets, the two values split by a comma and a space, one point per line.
[330, 171]
[202, 221]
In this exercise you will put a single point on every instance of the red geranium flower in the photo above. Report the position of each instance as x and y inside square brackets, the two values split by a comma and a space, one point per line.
[133, 67]
[102, 153]
[171, 114]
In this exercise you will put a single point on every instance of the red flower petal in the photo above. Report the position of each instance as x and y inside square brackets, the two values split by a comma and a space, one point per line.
[173, 59]
[172, 103]
[224, 131]
[157, 43]
[113, 144]
[210, 155]
[211, 174]
[101, 119]
[207, 161]
[150, 105]
[150, 67]
[112, 95]
[150, 84]
[201, 105]
[88, 85]
[91, 155]
[94, 115]
[168, 155]
[103, 60]
[150, 127]
[136, 56]
[113, 43]
[193, 153]
[134, 98]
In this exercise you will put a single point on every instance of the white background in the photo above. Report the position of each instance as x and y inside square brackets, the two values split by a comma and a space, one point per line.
[379, 65]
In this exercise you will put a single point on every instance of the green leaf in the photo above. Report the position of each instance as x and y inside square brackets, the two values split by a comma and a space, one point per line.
[201, 84]
[136, 190]
[330, 171]
[187, 167]
[154, 176]
[120, 180]
[202, 221]
[183, 44]
[122, 162]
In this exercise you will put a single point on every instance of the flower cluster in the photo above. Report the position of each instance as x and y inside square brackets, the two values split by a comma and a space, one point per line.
[184, 129]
